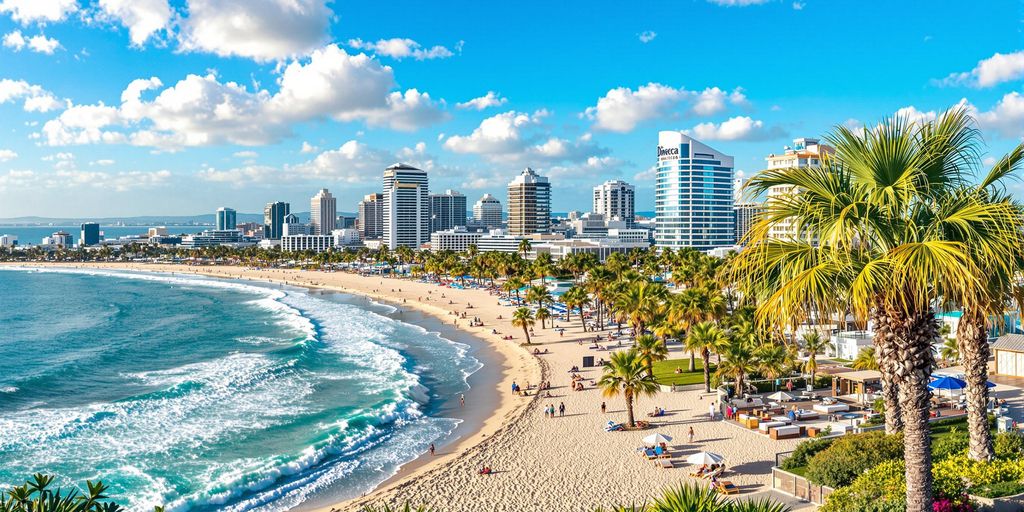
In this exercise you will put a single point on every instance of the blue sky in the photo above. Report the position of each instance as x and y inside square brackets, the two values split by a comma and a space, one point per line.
[140, 107]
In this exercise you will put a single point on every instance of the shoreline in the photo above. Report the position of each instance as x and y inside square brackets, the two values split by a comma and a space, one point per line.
[511, 361]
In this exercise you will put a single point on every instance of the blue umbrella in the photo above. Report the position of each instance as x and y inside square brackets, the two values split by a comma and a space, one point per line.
[947, 383]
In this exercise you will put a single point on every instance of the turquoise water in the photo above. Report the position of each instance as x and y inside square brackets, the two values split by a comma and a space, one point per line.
[206, 394]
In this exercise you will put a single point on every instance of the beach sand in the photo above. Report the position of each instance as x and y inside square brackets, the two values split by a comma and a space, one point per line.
[564, 463]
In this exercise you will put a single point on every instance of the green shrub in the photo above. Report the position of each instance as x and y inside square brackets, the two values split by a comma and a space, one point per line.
[951, 445]
[1009, 445]
[849, 456]
[998, 490]
[883, 488]
[804, 451]
[980, 474]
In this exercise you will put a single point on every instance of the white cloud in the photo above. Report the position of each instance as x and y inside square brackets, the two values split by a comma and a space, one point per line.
[491, 99]
[142, 18]
[647, 36]
[992, 71]
[622, 108]
[989, 161]
[7, 155]
[38, 11]
[201, 110]
[308, 148]
[402, 48]
[104, 162]
[514, 137]
[798, 6]
[263, 30]
[1006, 118]
[245, 154]
[39, 44]
[648, 174]
[36, 99]
[735, 128]
[603, 166]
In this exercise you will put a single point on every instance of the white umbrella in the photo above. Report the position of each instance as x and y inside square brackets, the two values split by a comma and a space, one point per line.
[654, 439]
[780, 396]
[705, 458]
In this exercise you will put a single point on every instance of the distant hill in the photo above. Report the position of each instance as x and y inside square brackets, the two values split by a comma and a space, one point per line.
[145, 220]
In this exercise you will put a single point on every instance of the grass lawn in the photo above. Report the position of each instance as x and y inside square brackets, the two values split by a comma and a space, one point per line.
[664, 372]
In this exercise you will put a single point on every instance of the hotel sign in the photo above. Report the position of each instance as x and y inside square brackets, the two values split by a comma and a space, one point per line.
[668, 153]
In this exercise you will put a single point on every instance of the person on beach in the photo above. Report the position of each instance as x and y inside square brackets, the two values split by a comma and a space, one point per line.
[690, 435]
[561, 408]
[462, 400]
[431, 449]
[604, 407]
[711, 411]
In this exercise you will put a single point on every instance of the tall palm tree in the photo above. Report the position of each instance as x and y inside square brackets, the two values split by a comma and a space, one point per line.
[950, 351]
[706, 337]
[814, 344]
[881, 224]
[865, 360]
[774, 360]
[523, 317]
[738, 362]
[542, 314]
[538, 294]
[651, 350]
[626, 374]
[513, 284]
[525, 246]
[641, 302]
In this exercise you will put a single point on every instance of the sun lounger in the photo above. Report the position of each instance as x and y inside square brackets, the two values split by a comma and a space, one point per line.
[784, 419]
[662, 453]
[769, 424]
[714, 474]
[612, 427]
[828, 409]
[665, 464]
[650, 454]
[727, 487]
[787, 432]
[804, 414]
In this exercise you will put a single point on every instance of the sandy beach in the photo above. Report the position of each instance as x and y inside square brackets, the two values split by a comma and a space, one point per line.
[563, 463]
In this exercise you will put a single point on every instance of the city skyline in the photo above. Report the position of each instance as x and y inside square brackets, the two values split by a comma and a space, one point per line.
[451, 97]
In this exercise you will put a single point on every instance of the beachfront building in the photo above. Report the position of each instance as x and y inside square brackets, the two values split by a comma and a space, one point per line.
[614, 199]
[273, 219]
[805, 152]
[601, 248]
[745, 215]
[406, 208]
[90, 234]
[693, 194]
[487, 212]
[8, 241]
[447, 210]
[59, 239]
[456, 239]
[348, 237]
[498, 240]
[371, 216]
[227, 218]
[315, 243]
[323, 209]
[529, 204]
[212, 237]
[293, 226]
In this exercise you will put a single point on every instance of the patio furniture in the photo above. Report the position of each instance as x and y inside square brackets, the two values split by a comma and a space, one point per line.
[664, 464]
[786, 432]
[750, 422]
[804, 414]
[813, 431]
[727, 487]
[784, 419]
[829, 409]
[767, 425]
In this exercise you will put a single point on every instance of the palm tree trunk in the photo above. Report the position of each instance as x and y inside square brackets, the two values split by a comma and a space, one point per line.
[972, 343]
[888, 360]
[526, 331]
[693, 364]
[706, 355]
[629, 410]
[914, 344]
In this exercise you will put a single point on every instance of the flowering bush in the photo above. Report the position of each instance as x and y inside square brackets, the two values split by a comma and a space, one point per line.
[883, 489]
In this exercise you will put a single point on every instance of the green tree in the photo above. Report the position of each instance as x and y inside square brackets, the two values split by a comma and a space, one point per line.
[651, 350]
[542, 314]
[866, 359]
[814, 344]
[705, 338]
[523, 317]
[626, 374]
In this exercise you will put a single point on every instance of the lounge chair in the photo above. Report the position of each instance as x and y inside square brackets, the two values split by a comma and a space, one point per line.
[662, 453]
[727, 487]
[650, 454]
[665, 464]
[613, 427]
[713, 474]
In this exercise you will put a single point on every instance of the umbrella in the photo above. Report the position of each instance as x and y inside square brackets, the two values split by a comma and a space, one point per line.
[654, 439]
[947, 383]
[780, 396]
[705, 458]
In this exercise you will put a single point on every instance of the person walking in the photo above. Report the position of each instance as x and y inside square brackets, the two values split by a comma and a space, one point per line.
[561, 408]
[462, 400]
[603, 407]
[711, 411]
[690, 435]
[431, 449]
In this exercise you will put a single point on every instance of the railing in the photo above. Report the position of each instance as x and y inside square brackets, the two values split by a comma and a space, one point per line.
[796, 485]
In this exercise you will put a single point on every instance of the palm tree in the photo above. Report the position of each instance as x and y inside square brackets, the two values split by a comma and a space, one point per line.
[950, 351]
[885, 225]
[523, 317]
[524, 247]
[814, 344]
[576, 298]
[739, 361]
[702, 498]
[706, 337]
[538, 294]
[542, 314]
[626, 374]
[641, 302]
[513, 284]
[865, 360]
[651, 350]
[773, 360]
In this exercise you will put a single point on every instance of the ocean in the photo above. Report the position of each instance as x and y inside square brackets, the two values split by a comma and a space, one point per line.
[207, 394]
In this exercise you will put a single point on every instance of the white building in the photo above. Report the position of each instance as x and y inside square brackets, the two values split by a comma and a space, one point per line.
[292, 226]
[745, 214]
[315, 243]
[487, 211]
[346, 238]
[212, 237]
[370, 216]
[806, 152]
[323, 210]
[693, 194]
[8, 240]
[601, 248]
[457, 239]
[157, 231]
[529, 204]
[614, 199]
[498, 240]
[406, 209]
[60, 238]
[848, 344]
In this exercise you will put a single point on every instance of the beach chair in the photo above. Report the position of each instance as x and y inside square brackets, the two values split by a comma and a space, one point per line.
[662, 453]
[650, 454]
[727, 487]
[664, 464]
[613, 427]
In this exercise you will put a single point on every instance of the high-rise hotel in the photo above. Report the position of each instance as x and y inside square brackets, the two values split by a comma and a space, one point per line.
[447, 210]
[273, 219]
[371, 216]
[693, 194]
[406, 215]
[615, 200]
[323, 210]
[529, 204]
[805, 152]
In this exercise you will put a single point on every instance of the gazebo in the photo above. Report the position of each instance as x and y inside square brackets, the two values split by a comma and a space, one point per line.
[855, 383]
